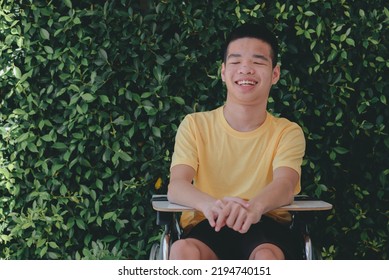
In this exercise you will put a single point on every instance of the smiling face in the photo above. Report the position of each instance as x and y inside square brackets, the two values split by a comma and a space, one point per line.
[248, 71]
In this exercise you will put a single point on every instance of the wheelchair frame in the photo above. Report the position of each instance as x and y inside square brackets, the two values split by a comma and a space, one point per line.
[302, 210]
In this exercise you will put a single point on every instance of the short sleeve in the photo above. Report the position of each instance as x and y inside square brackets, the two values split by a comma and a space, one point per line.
[185, 147]
[291, 149]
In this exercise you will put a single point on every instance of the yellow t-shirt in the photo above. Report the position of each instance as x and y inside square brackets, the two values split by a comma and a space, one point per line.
[233, 163]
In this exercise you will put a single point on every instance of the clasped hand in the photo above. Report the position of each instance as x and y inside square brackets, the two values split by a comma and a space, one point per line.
[236, 213]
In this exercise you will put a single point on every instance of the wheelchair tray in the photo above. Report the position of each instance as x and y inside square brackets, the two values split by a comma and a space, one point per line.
[161, 203]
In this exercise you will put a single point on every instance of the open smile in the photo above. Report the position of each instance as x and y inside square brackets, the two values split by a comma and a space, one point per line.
[246, 83]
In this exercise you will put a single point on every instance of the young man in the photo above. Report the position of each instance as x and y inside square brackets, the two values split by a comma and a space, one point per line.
[237, 164]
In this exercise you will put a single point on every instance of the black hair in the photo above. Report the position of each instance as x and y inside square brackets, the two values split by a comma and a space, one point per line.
[256, 31]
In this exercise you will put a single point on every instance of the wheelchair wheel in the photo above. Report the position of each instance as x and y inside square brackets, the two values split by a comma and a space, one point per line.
[154, 253]
[316, 254]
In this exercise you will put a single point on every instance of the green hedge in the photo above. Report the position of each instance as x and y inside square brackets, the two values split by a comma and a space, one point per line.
[91, 96]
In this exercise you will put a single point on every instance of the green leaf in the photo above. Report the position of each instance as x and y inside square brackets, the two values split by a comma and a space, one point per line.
[59, 146]
[124, 156]
[32, 147]
[88, 97]
[27, 225]
[350, 42]
[99, 184]
[44, 34]
[25, 76]
[68, 3]
[108, 215]
[16, 72]
[156, 131]
[341, 150]
[76, 89]
[52, 255]
[309, 13]
[53, 245]
[48, 49]
[47, 138]
[80, 223]
[56, 167]
[109, 238]
[319, 28]
[99, 221]
[104, 99]
[179, 100]
[63, 190]
[43, 251]
[77, 20]
[40, 243]
[103, 54]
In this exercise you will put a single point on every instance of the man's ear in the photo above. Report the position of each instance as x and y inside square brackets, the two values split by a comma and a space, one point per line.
[276, 74]
[223, 72]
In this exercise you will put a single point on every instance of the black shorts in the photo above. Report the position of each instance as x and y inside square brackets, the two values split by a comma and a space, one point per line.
[232, 245]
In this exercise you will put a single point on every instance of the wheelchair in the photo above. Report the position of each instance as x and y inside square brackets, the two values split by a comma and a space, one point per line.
[302, 211]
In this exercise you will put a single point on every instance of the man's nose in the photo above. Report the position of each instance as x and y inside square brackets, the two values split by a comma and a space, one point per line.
[246, 69]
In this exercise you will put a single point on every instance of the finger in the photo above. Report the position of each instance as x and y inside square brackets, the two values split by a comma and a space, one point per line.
[220, 222]
[239, 222]
[233, 215]
[221, 218]
[238, 200]
[237, 217]
[211, 221]
[248, 222]
[246, 226]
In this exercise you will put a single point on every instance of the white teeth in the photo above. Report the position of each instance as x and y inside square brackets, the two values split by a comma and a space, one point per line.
[246, 82]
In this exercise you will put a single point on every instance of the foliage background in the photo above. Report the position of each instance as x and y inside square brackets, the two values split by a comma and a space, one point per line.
[92, 92]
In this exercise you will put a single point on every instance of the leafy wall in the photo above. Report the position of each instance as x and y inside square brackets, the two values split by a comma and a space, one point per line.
[91, 94]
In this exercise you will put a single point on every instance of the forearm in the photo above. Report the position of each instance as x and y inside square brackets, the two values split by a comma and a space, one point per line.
[182, 192]
[272, 197]
[278, 193]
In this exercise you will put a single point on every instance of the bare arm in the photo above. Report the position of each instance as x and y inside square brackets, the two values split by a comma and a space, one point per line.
[279, 192]
[182, 191]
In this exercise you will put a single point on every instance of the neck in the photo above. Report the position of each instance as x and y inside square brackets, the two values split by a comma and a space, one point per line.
[244, 118]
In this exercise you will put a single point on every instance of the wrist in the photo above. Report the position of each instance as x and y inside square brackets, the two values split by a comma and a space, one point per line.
[205, 204]
[257, 206]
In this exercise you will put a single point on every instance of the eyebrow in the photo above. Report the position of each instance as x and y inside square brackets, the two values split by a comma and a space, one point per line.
[258, 56]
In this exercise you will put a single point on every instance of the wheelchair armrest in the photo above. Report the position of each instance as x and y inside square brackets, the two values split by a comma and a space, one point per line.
[300, 204]
[304, 204]
[162, 204]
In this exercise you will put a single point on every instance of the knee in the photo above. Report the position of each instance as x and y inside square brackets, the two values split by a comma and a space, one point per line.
[184, 250]
[267, 252]
[264, 254]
